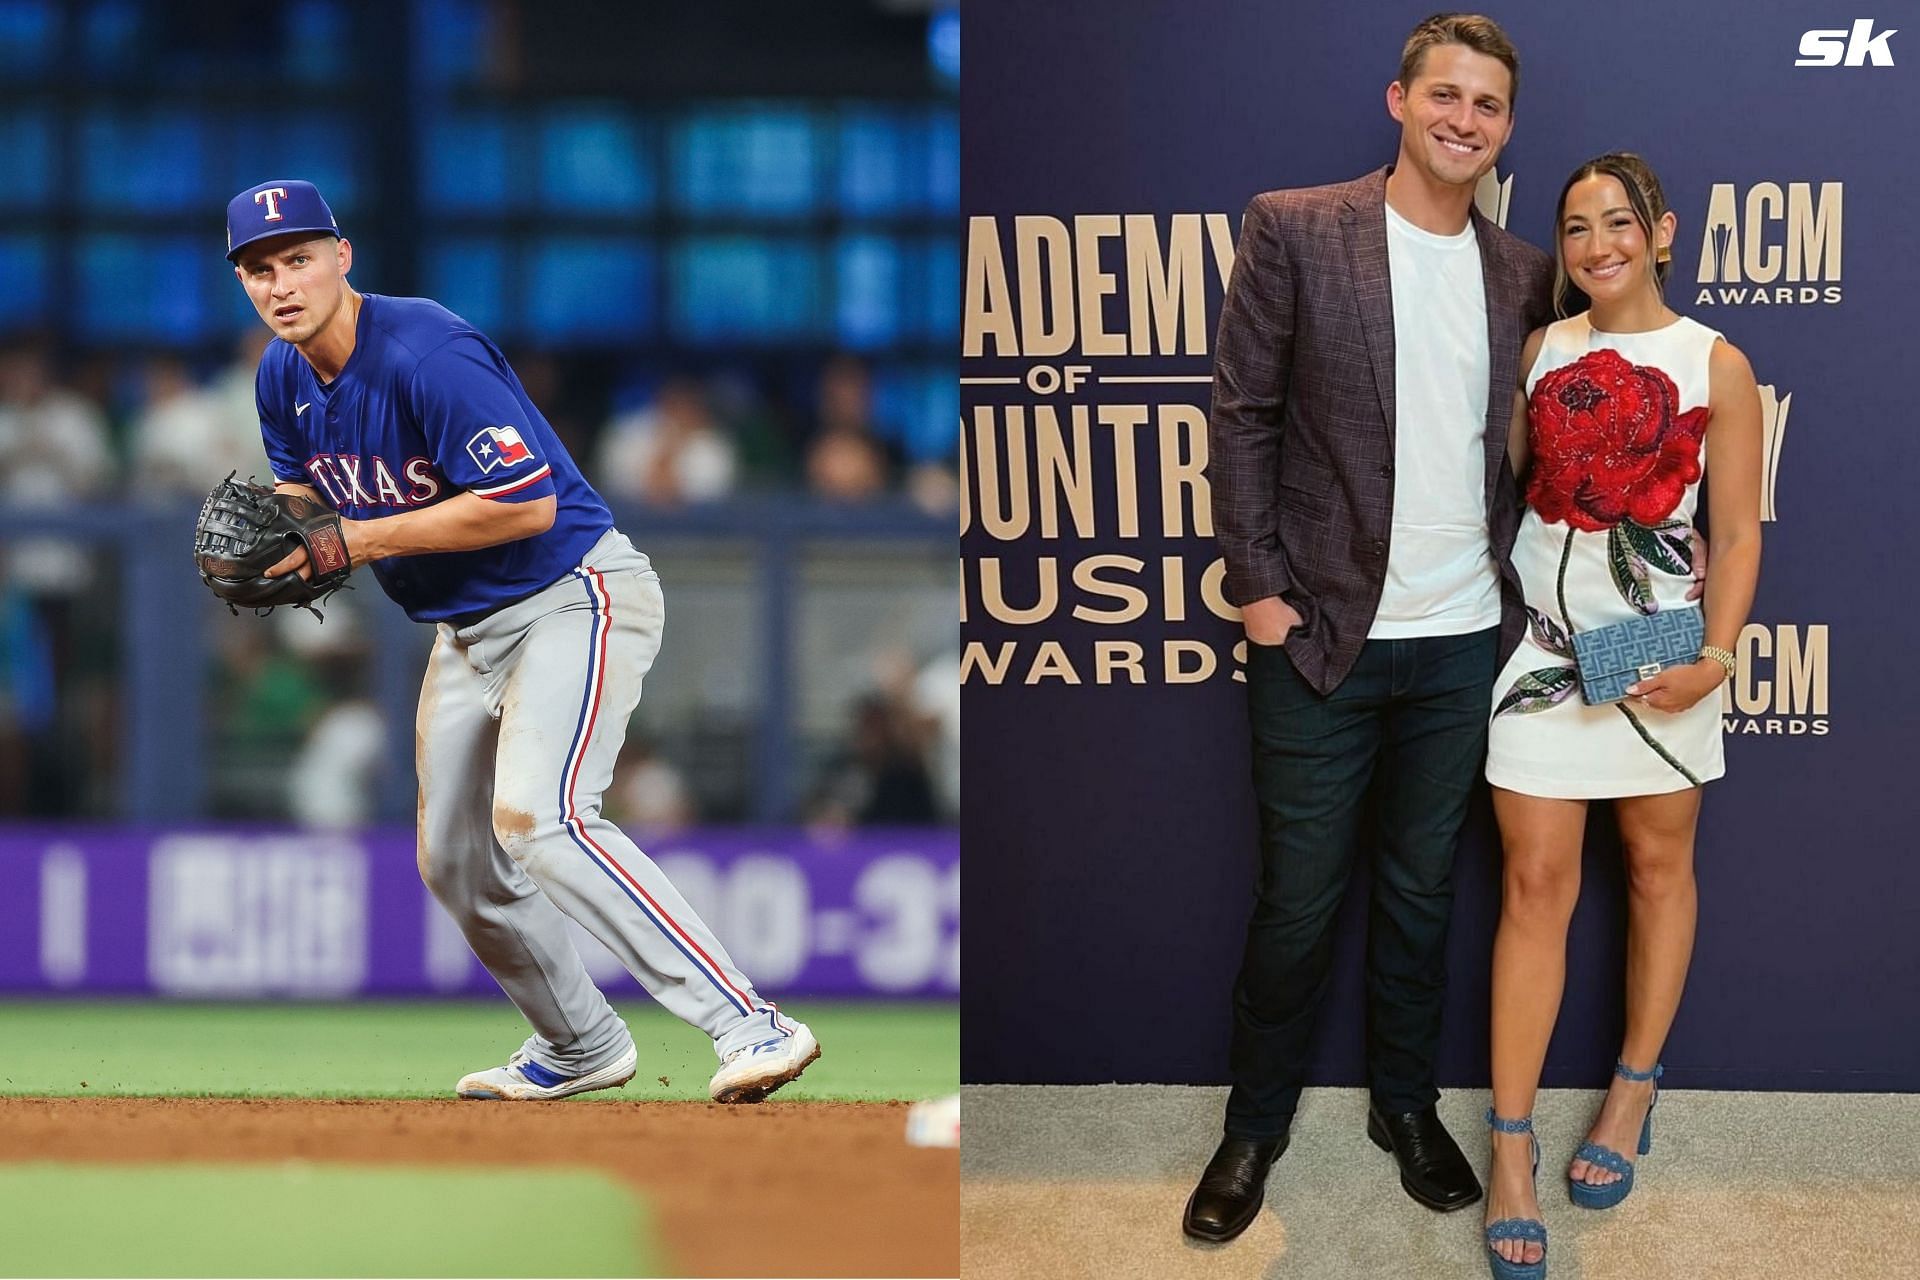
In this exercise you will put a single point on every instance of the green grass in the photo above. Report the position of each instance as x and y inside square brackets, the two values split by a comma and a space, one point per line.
[304, 1220]
[90, 1049]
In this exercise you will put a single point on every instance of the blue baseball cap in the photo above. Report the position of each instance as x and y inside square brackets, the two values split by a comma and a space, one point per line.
[274, 209]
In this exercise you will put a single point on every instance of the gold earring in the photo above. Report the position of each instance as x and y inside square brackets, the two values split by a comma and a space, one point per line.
[1665, 254]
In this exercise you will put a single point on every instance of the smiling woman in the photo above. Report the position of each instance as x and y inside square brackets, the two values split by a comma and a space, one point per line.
[1621, 406]
[1615, 236]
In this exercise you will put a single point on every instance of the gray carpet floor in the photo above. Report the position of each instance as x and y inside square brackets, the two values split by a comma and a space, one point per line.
[1090, 1181]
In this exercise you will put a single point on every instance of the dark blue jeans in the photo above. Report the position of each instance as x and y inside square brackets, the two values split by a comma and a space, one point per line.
[1388, 761]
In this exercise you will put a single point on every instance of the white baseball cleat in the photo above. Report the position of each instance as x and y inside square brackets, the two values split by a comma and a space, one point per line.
[523, 1080]
[750, 1074]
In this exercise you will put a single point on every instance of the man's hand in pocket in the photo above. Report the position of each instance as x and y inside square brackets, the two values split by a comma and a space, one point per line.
[1268, 621]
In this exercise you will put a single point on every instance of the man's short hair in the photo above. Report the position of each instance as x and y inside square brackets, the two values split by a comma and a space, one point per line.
[1476, 31]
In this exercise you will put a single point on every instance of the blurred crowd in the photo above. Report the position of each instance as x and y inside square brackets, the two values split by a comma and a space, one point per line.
[156, 429]
[296, 722]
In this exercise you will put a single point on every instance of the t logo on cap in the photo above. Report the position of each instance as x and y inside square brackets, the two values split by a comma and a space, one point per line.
[276, 207]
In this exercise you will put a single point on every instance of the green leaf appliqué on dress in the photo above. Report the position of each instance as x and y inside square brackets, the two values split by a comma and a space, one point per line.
[1629, 571]
[1667, 546]
[1538, 690]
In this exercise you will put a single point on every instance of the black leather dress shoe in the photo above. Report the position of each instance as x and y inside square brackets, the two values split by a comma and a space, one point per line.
[1235, 1182]
[1432, 1170]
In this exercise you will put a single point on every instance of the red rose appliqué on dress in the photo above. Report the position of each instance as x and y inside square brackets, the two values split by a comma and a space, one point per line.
[1609, 443]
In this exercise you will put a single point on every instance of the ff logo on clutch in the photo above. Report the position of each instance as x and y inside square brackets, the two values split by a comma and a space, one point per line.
[497, 447]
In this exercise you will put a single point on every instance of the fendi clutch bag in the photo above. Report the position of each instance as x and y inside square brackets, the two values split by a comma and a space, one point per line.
[1611, 658]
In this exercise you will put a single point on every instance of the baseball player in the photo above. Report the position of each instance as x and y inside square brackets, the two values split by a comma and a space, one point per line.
[409, 423]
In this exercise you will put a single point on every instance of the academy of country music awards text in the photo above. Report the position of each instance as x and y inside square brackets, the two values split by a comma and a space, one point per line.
[1086, 517]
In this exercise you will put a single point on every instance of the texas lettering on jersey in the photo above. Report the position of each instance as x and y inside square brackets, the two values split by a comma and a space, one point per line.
[427, 408]
[349, 480]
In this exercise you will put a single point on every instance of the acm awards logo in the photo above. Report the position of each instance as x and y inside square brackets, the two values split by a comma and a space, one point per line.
[1771, 245]
[1779, 687]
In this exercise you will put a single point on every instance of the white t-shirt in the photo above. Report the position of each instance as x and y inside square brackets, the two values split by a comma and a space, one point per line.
[1441, 579]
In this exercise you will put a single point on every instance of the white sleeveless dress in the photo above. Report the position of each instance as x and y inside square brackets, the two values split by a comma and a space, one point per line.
[1616, 427]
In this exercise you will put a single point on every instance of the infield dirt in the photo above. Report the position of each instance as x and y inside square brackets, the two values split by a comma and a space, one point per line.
[791, 1189]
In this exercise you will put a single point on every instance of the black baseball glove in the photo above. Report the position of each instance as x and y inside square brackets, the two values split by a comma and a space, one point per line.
[246, 528]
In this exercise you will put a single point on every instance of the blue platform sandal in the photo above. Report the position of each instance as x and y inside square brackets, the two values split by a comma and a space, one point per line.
[1588, 1196]
[1526, 1229]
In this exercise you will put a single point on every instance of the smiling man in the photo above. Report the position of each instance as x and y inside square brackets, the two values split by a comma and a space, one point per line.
[410, 423]
[1361, 397]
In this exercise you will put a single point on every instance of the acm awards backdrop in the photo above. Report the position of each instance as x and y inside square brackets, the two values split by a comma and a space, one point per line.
[1108, 153]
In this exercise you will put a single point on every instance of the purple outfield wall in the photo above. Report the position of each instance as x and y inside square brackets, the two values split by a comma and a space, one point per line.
[247, 913]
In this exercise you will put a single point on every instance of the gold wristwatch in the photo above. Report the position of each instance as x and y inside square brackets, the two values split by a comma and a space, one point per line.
[1722, 656]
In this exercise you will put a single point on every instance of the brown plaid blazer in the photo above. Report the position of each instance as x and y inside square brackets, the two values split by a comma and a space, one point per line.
[1300, 439]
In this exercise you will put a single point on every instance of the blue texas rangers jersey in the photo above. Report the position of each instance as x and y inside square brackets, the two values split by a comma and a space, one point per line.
[427, 407]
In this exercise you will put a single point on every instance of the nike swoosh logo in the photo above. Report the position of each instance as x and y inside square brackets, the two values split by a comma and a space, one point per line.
[300, 408]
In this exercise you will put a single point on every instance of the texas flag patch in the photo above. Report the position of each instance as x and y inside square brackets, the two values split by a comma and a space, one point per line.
[497, 447]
